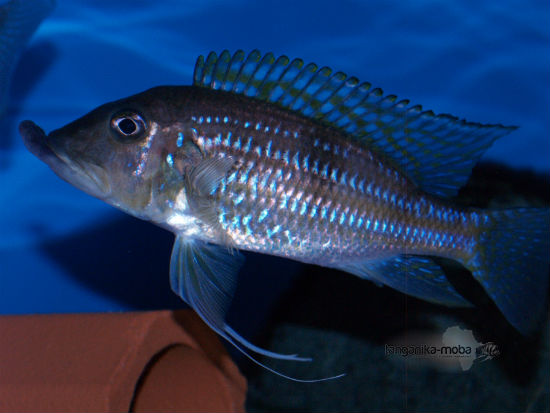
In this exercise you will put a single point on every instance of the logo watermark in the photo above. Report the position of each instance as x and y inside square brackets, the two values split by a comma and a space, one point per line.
[456, 348]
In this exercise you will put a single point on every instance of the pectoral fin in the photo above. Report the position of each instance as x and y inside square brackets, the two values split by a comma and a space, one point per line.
[204, 276]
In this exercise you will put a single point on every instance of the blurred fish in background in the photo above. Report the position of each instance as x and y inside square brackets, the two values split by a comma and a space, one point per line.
[18, 21]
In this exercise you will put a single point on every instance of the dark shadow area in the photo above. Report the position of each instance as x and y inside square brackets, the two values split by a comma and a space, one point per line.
[126, 259]
[32, 65]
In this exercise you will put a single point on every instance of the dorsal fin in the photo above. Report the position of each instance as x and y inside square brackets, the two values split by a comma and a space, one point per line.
[437, 151]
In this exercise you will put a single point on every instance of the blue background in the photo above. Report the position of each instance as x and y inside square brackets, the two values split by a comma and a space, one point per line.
[62, 251]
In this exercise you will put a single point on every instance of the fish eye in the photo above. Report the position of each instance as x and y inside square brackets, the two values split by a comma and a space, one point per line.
[128, 126]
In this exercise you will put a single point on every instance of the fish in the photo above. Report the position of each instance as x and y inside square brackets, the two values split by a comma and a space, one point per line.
[19, 19]
[275, 156]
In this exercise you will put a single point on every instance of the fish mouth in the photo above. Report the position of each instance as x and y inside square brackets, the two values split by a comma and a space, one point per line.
[89, 178]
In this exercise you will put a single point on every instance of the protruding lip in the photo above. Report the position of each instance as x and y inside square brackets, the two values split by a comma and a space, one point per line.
[34, 139]
[85, 178]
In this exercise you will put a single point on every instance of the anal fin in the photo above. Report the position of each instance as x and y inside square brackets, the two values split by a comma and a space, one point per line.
[414, 275]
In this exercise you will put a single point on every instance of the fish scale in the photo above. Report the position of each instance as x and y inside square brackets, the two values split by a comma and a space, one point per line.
[244, 133]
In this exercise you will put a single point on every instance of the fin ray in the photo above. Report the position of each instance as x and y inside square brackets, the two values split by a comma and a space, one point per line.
[414, 275]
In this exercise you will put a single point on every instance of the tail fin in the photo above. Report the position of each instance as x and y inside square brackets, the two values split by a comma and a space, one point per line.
[511, 261]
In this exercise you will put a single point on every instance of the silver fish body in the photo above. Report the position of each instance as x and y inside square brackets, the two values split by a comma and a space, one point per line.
[302, 190]
[278, 157]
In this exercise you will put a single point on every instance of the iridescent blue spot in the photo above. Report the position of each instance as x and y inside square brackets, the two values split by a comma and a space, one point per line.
[332, 215]
[276, 130]
[277, 154]
[315, 168]
[303, 209]
[285, 133]
[305, 163]
[258, 150]
[385, 196]
[392, 199]
[323, 212]
[201, 120]
[288, 236]
[238, 199]
[218, 140]
[268, 149]
[246, 124]
[296, 160]
[170, 160]
[446, 215]
[313, 211]
[324, 172]
[248, 145]
[343, 178]
[352, 181]
[273, 186]
[266, 129]
[235, 222]
[254, 182]
[179, 141]
[286, 157]
[225, 119]
[351, 219]
[326, 146]
[246, 219]
[368, 223]
[208, 119]
[334, 175]
[342, 218]
[258, 126]
[232, 177]
[263, 215]
[360, 222]
[376, 225]
[377, 192]
[316, 143]
[294, 205]
[271, 232]
[227, 140]
[237, 144]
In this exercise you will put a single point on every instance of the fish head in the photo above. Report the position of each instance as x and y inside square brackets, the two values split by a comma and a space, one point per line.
[112, 153]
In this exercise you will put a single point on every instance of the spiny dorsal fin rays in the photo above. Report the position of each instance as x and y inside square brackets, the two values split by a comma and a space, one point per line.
[437, 152]
[204, 276]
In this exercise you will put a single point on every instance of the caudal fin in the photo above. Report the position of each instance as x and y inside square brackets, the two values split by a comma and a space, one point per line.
[511, 262]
